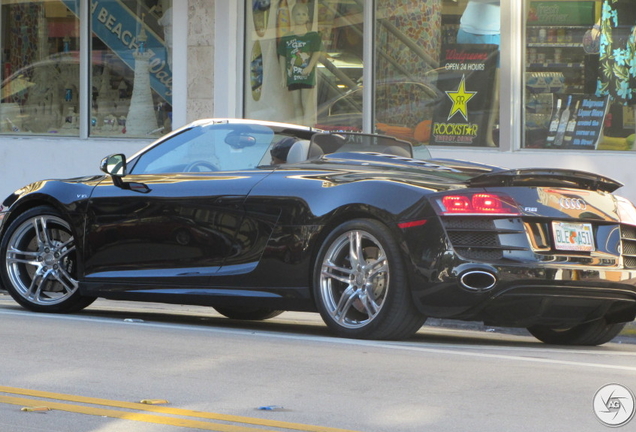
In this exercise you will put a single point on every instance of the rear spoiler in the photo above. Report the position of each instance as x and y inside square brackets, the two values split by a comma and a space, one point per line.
[545, 177]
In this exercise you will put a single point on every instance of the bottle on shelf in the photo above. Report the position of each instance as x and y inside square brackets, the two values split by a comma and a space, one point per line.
[554, 124]
[563, 124]
[569, 130]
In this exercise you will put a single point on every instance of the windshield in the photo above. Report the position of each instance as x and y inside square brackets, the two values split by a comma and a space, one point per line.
[216, 147]
[240, 146]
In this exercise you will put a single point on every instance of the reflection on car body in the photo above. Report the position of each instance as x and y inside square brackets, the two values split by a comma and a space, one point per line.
[352, 226]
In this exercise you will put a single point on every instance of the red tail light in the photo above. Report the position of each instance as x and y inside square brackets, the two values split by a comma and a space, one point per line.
[478, 204]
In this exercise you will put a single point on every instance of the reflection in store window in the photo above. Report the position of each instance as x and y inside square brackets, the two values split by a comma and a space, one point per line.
[131, 78]
[428, 88]
[437, 71]
[301, 56]
[40, 68]
[131, 73]
[341, 95]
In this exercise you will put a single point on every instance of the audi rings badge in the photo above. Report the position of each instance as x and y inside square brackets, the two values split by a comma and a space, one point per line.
[572, 203]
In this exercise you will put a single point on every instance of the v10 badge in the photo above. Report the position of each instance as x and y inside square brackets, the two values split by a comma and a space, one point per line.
[614, 405]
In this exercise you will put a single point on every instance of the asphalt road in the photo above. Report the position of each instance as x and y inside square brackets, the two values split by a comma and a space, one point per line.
[199, 371]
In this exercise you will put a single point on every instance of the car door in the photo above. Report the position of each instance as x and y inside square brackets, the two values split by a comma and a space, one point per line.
[177, 229]
[174, 219]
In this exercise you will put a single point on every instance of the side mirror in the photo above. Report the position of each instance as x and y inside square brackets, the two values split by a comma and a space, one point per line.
[114, 165]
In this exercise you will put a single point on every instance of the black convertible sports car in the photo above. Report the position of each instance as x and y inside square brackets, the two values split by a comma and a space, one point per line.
[352, 226]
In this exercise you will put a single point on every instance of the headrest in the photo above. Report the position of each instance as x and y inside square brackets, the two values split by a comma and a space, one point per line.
[302, 151]
[397, 151]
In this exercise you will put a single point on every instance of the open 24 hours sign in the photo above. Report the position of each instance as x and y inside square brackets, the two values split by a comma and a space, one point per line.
[467, 77]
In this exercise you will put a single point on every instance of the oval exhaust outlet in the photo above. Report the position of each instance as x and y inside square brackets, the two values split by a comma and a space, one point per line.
[478, 280]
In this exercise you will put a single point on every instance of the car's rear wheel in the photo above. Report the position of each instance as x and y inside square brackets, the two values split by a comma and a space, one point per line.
[360, 284]
[39, 262]
[251, 314]
[592, 333]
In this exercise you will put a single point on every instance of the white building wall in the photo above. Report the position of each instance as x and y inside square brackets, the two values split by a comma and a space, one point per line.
[200, 62]
[24, 160]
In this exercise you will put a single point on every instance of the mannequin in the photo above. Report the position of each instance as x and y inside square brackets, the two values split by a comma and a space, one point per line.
[299, 52]
[480, 23]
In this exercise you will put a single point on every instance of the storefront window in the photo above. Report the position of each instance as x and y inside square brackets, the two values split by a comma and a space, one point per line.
[130, 77]
[580, 75]
[437, 71]
[131, 68]
[302, 57]
[429, 87]
[40, 68]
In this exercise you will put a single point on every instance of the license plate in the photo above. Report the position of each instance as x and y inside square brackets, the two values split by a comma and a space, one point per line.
[573, 236]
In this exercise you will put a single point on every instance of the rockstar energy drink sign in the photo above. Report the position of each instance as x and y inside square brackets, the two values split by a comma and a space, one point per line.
[468, 80]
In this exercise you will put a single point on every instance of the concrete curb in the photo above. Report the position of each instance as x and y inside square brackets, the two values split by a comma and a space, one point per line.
[628, 335]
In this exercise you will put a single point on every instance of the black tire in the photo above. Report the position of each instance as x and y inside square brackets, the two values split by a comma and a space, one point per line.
[38, 262]
[250, 314]
[592, 333]
[367, 298]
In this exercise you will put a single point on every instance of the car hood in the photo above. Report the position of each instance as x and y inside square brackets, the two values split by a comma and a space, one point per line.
[459, 172]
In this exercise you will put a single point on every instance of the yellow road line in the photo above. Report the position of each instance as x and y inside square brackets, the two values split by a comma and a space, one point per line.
[155, 409]
[146, 418]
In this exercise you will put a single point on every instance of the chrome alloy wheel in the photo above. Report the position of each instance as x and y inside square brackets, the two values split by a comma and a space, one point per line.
[41, 260]
[354, 279]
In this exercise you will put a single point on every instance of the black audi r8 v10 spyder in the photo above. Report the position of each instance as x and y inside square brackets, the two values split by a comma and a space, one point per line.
[352, 226]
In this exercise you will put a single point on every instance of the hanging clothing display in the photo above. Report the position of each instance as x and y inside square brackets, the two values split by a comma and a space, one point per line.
[297, 51]
[617, 66]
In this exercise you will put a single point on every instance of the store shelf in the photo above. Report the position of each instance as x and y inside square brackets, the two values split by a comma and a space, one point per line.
[556, 65]
[557, 49]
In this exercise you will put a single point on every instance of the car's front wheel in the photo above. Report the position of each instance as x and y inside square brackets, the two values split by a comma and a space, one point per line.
[39, 262]
[591, 333]
[360, 285]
